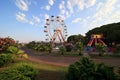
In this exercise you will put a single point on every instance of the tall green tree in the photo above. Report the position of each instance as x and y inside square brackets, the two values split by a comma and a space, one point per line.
[110, 33]
[62, 49]
[75, 38]
[100, 48]
[79, 47]
[49, 47]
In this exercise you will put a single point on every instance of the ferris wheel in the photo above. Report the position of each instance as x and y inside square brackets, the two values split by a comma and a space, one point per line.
[55, 29]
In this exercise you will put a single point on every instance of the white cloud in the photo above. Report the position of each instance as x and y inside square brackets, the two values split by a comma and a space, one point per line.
[81, 4]
[114, 18]
[67, 13]
[62, 5]
[106, 9]
[31, 22]
[47, 7]
[62, 17]
[51, 2]
[100, 4]
[22, 5]
[21, 17]
[63, 12]
[90, 3]
[106, 13]
[36, 19]
[76, 20]
[46, 16]
[69, 6]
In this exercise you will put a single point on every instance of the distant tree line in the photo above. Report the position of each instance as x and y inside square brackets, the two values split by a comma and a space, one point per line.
[111, 35]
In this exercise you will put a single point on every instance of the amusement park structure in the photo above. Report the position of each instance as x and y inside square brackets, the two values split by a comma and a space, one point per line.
[96, 39]
[55, 29]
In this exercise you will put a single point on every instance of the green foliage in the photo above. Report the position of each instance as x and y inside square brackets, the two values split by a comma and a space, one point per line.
[62, 49]
[79, 47]
[13, 49]
[118, 48]
[100, 48]
[49, 47]
[31, 44]
[5, 43]
[86, 69]
[39, 46]
[5, 59]
[105, 72]
[119, 73]
[22, 71]
[75, 38]
[69, 47]
[110, 32]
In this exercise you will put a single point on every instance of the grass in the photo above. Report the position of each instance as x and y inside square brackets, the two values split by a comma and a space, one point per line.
[46, 71]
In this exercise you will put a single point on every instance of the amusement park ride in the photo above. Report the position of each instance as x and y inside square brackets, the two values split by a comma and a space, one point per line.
[55, 29]
[95, 38]
[56, 32]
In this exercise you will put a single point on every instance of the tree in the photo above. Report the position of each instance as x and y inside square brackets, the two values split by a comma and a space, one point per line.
[86, 69]
[100, 48]
[49, 47]
[5, 43]
[75, 38]
[69, 47]
[79, 47]
[110, 33]
[62, 49]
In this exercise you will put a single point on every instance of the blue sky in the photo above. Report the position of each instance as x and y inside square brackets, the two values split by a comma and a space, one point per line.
[24, 20]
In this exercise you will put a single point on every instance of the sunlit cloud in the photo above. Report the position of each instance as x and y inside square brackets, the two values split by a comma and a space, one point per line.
[36, 19]
[22, 5]
[76, 20]
[31, 22]
[51, 2]
[90, 3]
[47, 7]
[21, 17]
[82, 4]
[63, 11]
[69, 6]
[46, 16]
[105, 13]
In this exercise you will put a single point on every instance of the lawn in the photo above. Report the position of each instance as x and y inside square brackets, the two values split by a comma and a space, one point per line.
[45, 71]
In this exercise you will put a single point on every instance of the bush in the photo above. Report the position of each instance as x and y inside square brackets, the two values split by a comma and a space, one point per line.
[62, 49]
[22, 71]
[118, 48]
[100, 48]
[86, 69]
[5, 59]
[13, 49]
[69, 47]
[22, 55]
[79, 47]
[5, 43]
[49, 47]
